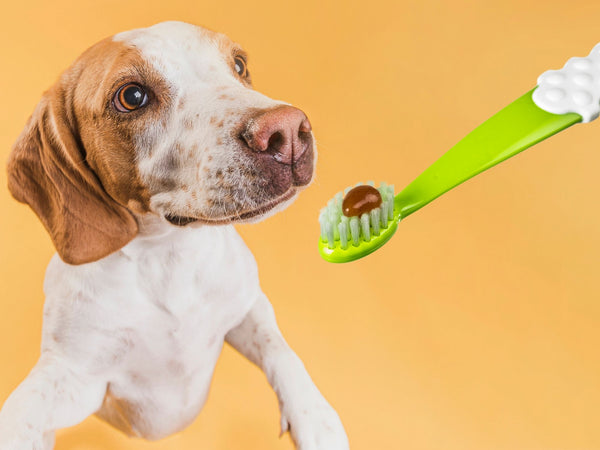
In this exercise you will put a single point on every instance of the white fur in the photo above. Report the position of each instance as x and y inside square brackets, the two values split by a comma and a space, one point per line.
[146, 324]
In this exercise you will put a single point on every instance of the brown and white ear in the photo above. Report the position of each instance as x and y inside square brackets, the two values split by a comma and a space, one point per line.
[47, 170]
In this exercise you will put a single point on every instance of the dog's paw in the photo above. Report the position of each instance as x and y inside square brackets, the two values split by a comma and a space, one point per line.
[16, 443]
[314, 426]
[15, 436]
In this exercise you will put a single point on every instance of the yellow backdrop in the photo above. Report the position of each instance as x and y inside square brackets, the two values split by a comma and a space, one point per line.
[476, 327]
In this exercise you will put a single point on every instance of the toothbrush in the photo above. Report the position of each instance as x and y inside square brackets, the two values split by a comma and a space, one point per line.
[562, 98]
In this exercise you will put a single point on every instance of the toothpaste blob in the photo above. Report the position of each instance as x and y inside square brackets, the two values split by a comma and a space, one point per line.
[360, 200]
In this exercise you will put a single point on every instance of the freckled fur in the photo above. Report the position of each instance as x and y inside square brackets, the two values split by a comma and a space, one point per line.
[214, 129]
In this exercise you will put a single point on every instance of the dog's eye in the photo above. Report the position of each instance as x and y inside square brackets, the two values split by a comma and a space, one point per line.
[240, 66]
[130, 97]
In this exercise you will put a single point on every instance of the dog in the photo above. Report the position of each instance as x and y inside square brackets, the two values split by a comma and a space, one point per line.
[138, 161]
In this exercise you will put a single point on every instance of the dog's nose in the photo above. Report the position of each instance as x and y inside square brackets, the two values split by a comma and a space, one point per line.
[283, 132]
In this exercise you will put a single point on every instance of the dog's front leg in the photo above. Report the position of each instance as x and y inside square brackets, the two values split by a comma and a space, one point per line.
[54, 395]
[312, 422]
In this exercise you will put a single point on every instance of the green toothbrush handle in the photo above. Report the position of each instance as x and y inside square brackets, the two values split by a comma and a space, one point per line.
[562, 98]
[512, 130]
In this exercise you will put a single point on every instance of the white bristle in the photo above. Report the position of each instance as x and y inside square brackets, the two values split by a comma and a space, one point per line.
[324, 231]
[384, 214]
[376, 220]
[321, 215]
[346, 220]
[330, 235]
[365, 226]
[323, 222]
[336, 231]
[355, 230]
[331, 212]
[391, 211]
[343, 231]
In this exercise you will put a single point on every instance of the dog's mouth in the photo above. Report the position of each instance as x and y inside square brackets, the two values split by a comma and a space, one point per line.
[182, 221]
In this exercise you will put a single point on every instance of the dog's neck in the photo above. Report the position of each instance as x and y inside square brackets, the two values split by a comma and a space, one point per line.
[155, 233]
[152, 227]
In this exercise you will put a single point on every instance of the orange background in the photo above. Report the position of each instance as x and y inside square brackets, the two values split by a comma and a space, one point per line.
[476, 327]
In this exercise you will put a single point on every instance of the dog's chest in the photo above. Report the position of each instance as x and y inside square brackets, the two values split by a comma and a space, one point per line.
[186, 301]
[153, 318]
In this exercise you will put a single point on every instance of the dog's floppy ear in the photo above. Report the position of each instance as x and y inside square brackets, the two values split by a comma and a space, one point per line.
[47, 170]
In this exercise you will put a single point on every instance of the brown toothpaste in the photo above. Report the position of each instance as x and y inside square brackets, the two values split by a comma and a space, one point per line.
[361, 199]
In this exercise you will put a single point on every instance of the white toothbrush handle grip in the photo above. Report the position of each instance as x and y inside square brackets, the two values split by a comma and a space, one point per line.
[573, 89]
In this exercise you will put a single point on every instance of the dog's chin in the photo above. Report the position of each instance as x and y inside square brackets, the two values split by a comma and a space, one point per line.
[250, 216]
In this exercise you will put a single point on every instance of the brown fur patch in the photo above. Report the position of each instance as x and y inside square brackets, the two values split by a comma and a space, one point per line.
[230, 49]
[75, 163]
[110, 139]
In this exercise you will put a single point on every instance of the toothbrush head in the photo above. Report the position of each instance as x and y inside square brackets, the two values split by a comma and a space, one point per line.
[357, 222]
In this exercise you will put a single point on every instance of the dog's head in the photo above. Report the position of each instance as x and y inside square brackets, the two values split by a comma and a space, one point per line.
[162, 121]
